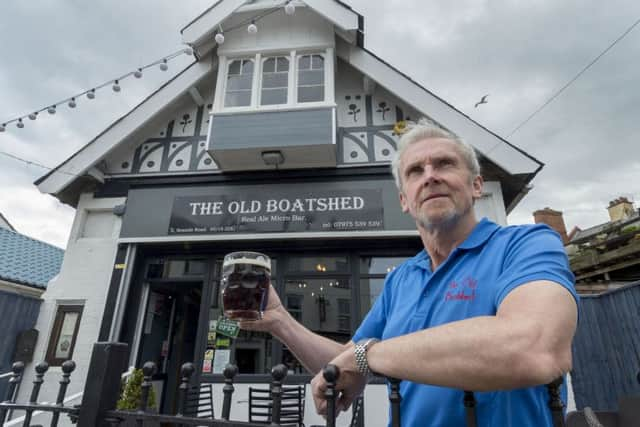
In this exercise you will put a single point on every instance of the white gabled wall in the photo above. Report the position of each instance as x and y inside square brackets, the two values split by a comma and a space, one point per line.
[83, 279]
[277, 32]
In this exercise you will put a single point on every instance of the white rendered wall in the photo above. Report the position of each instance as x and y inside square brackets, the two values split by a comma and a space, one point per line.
[278, 31]
[84, 278]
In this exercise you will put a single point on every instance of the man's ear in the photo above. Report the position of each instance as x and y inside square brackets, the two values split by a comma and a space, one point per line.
[403, 202]
[478, 185]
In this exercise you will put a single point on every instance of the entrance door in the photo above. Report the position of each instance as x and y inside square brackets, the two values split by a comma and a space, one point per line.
[169, 335]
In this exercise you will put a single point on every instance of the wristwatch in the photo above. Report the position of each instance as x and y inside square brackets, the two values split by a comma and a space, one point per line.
[360, 350]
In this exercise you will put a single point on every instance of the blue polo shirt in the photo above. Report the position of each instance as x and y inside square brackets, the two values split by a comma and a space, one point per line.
[472, 281]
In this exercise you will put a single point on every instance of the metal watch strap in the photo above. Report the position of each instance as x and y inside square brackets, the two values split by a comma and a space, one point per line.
[361, 354]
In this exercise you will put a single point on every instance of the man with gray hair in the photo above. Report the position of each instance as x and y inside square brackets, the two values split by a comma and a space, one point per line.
[484, 308]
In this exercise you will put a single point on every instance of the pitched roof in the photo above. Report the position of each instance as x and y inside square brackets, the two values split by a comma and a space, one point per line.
[585, 235]
[520, 166]
[27, 261]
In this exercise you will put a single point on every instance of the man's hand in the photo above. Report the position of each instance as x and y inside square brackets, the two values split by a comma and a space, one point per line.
[270, 316]
[350, 383]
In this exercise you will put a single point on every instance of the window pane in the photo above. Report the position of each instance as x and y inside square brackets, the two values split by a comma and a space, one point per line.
[274, 96]
[247, 66]
[237, 99]
[379, 265]
[311, 94]
[63, 346]
[239, 83]
[321, 304]
[234, 67]
[370, 289]
[275, 80]
[317, 62]
[306, 78]
[319, 264]
[269, 65]
[304, 62]
[283, 64]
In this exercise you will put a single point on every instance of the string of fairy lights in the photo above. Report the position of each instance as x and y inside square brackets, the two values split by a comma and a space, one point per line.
[162, 63]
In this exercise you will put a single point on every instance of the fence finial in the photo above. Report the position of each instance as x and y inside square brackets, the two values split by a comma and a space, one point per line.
[229, 373]
[331, 374]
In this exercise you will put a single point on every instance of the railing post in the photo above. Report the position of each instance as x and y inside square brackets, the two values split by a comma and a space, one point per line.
[102, 388]
[469, 402]
[229, 373]
[17, 368]
[555, 402]
[278, 373]
[185, 373]
[395, 398]
[331, 374]
[67, 368]
[41, 369]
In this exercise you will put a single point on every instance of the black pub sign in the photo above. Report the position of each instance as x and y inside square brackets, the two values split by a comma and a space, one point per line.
[282, 210]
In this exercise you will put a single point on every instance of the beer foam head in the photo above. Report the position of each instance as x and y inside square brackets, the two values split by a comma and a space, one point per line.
[252, 258]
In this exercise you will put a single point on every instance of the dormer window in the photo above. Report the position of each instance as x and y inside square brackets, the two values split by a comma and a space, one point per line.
[275, 81]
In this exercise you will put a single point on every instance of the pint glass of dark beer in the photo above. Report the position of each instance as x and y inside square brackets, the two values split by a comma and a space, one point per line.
[246, 277]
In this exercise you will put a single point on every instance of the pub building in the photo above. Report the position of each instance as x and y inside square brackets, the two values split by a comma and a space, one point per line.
[278, 141]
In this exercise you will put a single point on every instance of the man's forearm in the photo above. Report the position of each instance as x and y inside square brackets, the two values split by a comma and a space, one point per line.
[312, 350]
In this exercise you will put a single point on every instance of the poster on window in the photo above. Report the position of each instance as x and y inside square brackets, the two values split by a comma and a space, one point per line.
[63, 347]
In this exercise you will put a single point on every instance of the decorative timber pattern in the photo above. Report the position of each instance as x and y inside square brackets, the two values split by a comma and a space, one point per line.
[365, 132]
[180, 146]
[364, 136]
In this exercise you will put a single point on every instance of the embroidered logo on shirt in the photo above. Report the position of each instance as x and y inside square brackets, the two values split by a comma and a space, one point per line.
[464, 290]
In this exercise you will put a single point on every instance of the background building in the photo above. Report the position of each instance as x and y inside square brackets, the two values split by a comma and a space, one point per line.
[26, 267]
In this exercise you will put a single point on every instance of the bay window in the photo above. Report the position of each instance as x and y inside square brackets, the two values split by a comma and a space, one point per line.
[273, 81]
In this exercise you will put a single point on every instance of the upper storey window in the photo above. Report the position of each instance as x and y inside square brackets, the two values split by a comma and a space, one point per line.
[239, 83]
[311, 78]
[276, 81]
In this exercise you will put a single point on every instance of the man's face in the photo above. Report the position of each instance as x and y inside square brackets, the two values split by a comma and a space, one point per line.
[437, 187]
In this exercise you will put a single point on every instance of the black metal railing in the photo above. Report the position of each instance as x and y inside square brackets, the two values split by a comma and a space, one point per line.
[103, 386]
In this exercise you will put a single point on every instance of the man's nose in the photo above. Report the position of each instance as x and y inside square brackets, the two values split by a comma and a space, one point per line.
[430, 175]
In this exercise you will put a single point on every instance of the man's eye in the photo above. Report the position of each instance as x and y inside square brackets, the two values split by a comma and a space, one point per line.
[414, 170]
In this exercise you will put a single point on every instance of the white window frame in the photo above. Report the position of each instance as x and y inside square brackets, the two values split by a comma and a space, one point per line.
[292, 92]
[263, 59]
[253, 82]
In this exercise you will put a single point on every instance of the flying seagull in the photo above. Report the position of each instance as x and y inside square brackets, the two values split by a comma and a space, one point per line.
[483, 100]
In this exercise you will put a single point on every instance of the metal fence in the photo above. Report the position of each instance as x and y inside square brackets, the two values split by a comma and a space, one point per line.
[103, 387]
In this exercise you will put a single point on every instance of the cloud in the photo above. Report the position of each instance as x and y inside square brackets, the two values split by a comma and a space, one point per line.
[519, 52]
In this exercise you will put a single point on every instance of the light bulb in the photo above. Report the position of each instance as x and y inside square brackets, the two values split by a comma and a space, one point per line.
[20, 125]
[163, 65]
[252, 28]
[289, 9]
[33, 115]
[138, 73]
[91, 94]
[3, 127]
[72, 103]
[116, 86]
[219, 38]
[51, 110]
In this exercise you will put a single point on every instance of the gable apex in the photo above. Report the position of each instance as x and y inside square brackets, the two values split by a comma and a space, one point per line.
[199, 33]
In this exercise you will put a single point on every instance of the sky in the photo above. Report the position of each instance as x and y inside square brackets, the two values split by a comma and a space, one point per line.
[519, 52]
